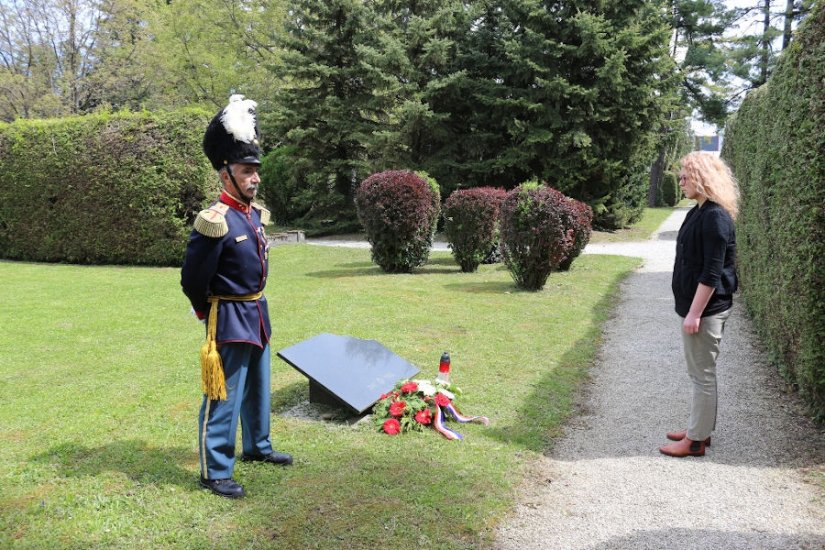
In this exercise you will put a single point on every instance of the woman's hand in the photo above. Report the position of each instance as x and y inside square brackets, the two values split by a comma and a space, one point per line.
[694, 316]
[691, 324]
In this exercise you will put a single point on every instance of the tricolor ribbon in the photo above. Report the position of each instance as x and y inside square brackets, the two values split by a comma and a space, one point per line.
[440, 418]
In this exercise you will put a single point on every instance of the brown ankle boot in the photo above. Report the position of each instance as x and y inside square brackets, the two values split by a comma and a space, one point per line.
[685, 447]
[681, 434]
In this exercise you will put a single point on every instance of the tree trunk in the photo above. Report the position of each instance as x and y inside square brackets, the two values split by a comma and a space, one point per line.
[766, 42]
[787, 30]
[656, 172]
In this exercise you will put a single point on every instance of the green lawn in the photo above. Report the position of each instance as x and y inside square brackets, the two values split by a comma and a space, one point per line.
[652, 218]
[101, 392]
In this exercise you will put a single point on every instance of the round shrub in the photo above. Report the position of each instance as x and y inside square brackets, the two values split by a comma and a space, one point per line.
[534, 236]
[671, 194]
[435, 191]
[398, 210]
[580, 216]
[470, 220]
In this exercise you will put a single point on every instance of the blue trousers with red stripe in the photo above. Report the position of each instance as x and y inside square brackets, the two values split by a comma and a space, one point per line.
[246, 369]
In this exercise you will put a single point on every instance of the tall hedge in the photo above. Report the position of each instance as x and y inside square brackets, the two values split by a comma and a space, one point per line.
[103, 189]
[776, 147]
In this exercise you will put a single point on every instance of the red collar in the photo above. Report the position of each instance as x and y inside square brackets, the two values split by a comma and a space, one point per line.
[229, 200]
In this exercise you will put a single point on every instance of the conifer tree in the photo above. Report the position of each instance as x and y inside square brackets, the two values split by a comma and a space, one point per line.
[754, 54]
[698, 45]
[472, 101]
[413, 57]
[327, 112]
[702, 79]
[571, 93]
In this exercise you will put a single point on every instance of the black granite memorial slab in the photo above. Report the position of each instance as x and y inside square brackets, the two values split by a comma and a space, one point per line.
[345, 371]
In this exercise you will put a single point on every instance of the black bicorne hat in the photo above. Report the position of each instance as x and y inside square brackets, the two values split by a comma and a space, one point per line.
[232, 135]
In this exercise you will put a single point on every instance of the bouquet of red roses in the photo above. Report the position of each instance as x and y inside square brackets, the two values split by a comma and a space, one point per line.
[414, 404]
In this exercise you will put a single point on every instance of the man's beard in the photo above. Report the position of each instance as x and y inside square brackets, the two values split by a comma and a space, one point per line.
[250, 192]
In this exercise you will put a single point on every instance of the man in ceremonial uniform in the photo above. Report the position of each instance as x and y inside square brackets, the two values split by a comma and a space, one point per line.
[223, 275]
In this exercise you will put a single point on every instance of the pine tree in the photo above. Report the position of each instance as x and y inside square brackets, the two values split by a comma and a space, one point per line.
[619, 59]
[571, 93]
[326, 107]
[413, 57]
[754, 54]
[698, 45]
[697, 29]
[478, 102]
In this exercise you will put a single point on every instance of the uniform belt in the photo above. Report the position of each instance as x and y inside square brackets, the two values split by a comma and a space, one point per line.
[236, 298]
[213, 381]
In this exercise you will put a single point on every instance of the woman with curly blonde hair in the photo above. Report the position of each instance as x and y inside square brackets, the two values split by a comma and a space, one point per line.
[704, 280]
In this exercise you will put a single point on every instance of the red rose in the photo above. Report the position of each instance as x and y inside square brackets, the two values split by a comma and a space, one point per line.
[397, 408]
[384, 396]
[442, 400]
[423, 416]
[409, 387]
[392, 426]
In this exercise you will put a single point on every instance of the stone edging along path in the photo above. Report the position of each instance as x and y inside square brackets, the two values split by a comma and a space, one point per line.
[606, 486]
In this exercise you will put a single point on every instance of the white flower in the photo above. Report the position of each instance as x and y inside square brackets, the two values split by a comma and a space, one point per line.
[426, 387]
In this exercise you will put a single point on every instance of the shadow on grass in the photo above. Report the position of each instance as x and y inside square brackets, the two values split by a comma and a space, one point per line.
[540, 419]
[486, 287]
[134, 458]
[358, 265]
[358, 269]
[447, 261]
[289, 396]
[355, 269]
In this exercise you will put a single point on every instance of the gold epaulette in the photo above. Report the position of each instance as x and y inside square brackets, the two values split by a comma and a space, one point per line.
[266, 215]
[212, 221]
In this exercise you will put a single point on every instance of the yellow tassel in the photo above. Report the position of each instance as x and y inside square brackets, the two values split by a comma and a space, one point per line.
[213, 381]
[216, 383]
[212, 377]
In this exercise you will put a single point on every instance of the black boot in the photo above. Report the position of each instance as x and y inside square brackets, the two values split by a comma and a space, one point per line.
[281, 459]
[223, 487]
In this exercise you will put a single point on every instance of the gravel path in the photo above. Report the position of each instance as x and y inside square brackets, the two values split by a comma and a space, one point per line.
[606, 486]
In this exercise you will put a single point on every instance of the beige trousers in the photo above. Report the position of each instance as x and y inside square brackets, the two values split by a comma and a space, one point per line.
[701, 350]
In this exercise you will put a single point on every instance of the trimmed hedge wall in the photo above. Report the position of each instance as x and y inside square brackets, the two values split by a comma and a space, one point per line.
[776, 147]
[103, 189]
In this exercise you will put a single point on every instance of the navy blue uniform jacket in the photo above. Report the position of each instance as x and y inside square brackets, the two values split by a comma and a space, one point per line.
[705, 253]
[234, 264]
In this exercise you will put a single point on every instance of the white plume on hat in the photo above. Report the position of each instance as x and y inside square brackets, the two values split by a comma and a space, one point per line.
[239, 118]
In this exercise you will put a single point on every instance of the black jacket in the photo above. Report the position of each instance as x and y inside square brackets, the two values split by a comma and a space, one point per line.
[705, 253]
